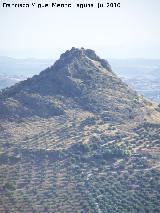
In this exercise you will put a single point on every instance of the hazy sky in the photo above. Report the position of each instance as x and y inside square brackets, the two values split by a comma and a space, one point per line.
[133, 30]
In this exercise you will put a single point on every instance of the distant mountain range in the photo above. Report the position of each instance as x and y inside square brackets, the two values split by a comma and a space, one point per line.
[22, 67]
[136, 68]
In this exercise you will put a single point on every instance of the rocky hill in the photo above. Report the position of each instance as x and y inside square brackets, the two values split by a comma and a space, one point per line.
[79, 79]
[75, 138]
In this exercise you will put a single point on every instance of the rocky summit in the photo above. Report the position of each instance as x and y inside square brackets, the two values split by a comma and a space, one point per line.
[76, 138]
[78, 80]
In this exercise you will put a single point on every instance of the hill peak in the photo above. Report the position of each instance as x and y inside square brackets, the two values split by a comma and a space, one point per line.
[76, 52]
[79, 80]
[80, 54]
